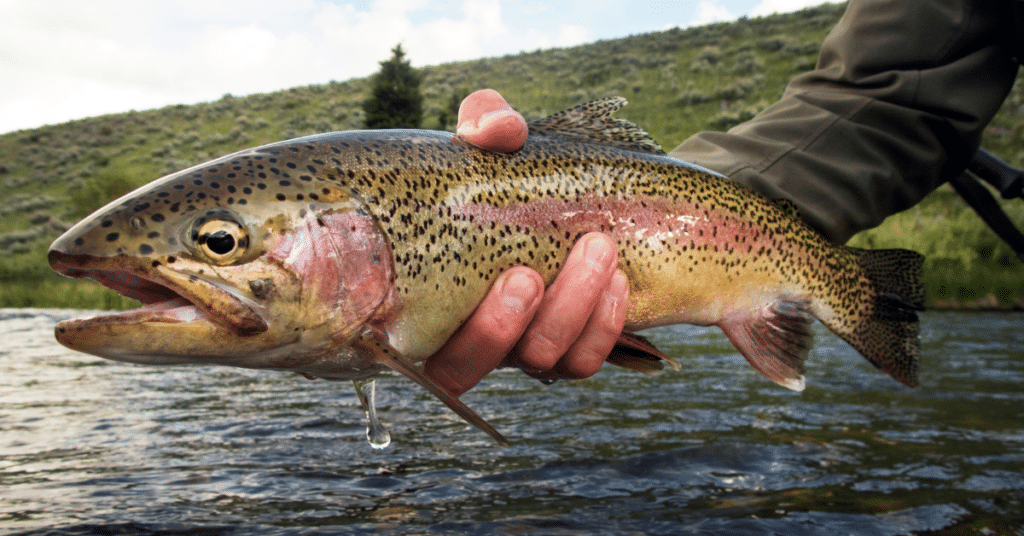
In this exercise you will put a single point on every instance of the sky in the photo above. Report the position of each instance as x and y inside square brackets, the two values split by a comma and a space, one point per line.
[62, 60]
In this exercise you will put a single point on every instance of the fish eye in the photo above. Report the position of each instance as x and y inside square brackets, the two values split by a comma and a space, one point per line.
[222, 241]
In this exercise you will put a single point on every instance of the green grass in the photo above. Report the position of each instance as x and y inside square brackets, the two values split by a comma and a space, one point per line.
[678, 82]
[966, 264]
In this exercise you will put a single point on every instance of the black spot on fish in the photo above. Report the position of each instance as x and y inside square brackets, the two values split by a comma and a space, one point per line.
[157, 217]
[174, 207]
[112, 237]
[79, 241]
[198, 182]
[285, 183]
[232, 189]
[280, 197]
[154, 234]
[172, 259]
[291, 165]
[214, 185]
[261, 186]
[246, 190]
[106, 223]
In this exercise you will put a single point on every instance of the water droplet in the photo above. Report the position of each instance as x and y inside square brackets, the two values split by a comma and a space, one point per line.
[376, 433]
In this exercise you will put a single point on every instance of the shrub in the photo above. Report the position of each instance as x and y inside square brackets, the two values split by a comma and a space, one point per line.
[748, 63]
[100, 190]
[692, 96]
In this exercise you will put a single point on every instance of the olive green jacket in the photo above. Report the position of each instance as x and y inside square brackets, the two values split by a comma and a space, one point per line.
[895, 107]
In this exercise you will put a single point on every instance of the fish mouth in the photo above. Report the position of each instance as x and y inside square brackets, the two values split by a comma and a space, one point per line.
[168, 296]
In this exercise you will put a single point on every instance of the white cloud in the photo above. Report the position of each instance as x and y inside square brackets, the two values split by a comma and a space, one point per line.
[767, 7]
[66, 60]
[709, 11]
[570, 35]
[69, 60]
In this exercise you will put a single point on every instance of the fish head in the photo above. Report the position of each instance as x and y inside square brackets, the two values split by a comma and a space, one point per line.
[236, 262]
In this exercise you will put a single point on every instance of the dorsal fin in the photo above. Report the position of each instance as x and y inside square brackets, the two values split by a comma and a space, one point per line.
[592, 122]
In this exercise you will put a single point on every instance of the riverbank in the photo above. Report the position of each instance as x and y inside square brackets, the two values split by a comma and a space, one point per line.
[988, 303]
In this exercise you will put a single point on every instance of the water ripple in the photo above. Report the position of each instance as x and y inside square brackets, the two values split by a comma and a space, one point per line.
[91, 447]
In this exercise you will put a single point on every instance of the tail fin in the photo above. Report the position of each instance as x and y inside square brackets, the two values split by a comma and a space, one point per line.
[887, 333]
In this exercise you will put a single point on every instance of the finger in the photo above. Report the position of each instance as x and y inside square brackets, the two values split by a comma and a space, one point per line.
[490, 333]
[602, 331]
[569, 303]
[488, 122]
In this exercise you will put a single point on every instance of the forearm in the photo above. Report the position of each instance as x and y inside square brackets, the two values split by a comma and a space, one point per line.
[896, 107]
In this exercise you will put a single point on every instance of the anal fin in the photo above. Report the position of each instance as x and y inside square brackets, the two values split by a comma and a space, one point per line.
[383, 353]
[774, 339]
[637, 353]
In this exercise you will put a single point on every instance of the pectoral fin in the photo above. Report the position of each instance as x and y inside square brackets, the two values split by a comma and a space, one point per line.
[774, 339]
[385, 354]
[637, 353]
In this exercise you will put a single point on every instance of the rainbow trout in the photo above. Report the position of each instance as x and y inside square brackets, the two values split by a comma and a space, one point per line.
[344, 254]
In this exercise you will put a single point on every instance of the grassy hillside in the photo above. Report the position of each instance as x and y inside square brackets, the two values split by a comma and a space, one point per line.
[678, 82]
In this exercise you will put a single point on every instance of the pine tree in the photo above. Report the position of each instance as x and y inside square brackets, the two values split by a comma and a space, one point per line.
[395, 100]
[448, 117]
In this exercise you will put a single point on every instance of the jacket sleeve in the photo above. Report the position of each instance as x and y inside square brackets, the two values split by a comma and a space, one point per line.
[896, 106]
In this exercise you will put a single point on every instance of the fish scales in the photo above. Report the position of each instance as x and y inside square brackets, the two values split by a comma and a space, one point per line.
[341, 254]
[494, 211]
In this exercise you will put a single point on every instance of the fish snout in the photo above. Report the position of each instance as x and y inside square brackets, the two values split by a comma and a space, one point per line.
[64, 263]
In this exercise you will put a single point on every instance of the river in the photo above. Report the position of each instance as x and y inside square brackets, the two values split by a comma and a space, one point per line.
[93, 447]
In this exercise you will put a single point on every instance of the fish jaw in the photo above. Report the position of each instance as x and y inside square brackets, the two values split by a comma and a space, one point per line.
[174, 305]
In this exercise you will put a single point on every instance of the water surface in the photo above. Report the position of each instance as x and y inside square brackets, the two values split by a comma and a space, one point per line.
[91, 447]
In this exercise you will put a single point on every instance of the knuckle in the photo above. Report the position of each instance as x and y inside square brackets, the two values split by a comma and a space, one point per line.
[540, 352]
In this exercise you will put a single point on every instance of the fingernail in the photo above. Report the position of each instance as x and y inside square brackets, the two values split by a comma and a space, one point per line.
[467, 128]
[519, 292]
[597, 252]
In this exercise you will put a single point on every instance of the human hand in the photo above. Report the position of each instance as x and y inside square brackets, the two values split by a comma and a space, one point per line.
[566, 331]
[488, 122]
